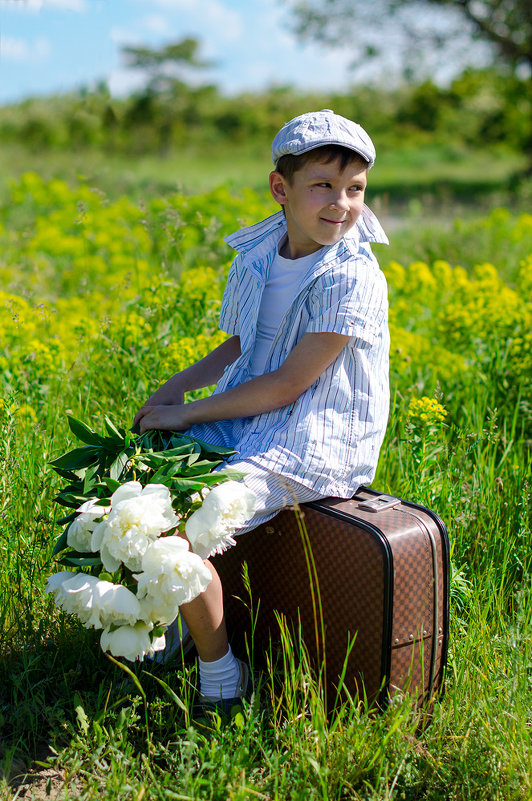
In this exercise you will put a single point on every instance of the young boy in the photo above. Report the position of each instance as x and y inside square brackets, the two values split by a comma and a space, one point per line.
[302, 392]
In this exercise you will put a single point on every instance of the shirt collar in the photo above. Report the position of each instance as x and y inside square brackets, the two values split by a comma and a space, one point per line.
[367, 229]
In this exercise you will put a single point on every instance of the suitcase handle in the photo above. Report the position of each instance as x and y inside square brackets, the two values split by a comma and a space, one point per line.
[378, 503]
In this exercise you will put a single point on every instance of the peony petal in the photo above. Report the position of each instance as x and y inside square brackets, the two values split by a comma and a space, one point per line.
[126, 491]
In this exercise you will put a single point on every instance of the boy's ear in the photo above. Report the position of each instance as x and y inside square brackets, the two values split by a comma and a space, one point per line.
[278, 187]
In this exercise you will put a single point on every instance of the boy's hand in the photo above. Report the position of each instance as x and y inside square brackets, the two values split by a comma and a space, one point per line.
[164, 396]
[167, 395]
[162, 417]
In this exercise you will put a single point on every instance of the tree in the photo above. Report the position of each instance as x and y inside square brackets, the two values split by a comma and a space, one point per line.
[506, 25]
[449, 26]
[163, 99]
[168, 65]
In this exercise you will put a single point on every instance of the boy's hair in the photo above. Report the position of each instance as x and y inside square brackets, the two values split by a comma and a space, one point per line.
[289, 164]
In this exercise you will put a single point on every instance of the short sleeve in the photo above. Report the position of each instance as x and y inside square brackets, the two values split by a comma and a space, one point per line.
[229, 314]
[352, 301]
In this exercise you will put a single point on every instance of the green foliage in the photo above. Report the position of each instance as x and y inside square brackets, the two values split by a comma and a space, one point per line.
[101, 300]
[479, 110]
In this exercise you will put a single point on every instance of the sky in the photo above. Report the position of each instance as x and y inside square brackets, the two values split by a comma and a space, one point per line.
[53, 46]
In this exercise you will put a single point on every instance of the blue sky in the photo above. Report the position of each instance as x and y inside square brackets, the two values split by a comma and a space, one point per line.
[51, 46]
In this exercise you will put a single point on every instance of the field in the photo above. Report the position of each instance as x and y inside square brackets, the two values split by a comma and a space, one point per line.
[103, 296]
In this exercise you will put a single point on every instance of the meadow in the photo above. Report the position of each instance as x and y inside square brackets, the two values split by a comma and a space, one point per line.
[103, 297]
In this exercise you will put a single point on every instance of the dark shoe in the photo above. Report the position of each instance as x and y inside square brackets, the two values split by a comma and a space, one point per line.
[226, 706]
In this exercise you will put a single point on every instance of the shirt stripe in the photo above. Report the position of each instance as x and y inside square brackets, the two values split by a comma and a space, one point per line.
[330, 437]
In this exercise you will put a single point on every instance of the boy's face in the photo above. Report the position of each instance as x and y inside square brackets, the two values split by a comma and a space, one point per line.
[321, 203]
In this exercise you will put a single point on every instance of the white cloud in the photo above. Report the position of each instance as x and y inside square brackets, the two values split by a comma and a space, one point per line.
[178, 5]
[15, 49]
[38, 5]
[121, 36]
[70, 5]
[155, 23]
[213, 14]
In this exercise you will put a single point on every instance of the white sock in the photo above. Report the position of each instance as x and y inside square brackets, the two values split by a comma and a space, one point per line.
[219, 679]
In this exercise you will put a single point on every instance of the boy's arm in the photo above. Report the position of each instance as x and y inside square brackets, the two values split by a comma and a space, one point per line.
[201, 374]
[303, 366]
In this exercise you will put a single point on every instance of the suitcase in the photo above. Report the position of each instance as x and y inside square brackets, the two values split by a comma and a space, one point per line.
[366, 588]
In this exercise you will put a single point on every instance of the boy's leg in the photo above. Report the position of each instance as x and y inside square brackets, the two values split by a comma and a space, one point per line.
[204, 617]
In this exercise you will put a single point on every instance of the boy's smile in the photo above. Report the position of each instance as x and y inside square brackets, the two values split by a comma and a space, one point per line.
[321, 204]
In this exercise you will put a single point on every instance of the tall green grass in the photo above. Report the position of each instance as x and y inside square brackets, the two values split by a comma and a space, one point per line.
[74, 722]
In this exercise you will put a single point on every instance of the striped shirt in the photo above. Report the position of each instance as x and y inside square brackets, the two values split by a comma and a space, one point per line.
[329, 438]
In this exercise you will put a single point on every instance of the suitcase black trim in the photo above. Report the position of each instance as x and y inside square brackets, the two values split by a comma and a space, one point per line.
[386, 650]
[446, 558]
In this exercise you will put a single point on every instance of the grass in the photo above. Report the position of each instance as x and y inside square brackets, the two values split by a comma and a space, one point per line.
[67, 707]
[399, 176]
[74, 725]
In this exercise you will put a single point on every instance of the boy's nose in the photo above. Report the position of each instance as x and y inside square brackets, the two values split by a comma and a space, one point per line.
[339, 202]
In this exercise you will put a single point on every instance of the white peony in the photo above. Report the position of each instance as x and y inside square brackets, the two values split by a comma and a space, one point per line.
[138, 516]
[171, 575]
[226, 507]
[97, 603]
[80, 530]
[131, 642]
[158, 608]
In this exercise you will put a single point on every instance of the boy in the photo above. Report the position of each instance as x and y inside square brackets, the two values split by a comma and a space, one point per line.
[302, 392]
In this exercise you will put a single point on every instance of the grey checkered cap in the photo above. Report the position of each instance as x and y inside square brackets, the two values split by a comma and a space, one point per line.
[319, 128]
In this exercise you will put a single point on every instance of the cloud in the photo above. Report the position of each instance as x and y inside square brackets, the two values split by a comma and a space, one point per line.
[225, 22]
[79, 6]
[15, 49]
[155, 23]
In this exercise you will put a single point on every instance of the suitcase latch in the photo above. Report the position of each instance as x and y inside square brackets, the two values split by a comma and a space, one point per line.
[379, 503]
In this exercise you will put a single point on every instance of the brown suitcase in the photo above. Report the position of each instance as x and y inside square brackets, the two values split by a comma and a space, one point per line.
[382, 578]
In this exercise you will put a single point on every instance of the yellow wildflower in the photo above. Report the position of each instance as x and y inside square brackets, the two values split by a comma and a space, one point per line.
[426, 410]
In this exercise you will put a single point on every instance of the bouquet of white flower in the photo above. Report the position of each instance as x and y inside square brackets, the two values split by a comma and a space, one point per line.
[132, 498]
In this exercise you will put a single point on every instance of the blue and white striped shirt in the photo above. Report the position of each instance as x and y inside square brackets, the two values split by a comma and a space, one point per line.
[329, 438]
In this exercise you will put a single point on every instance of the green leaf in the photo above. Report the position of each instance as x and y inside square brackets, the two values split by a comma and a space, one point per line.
[178, 449]
[61, 543]
[90, 480]
[76, 459]
[229, 474]
[166, 471]
[113, 430]
[129, 672]
[68, 475]
[111, 483]
[118, 466]
[67, 519]
[81, 715]
[83, 432]
[70, 499]
[185, 484]
[80, 560]
[168, 690]
[216, 450]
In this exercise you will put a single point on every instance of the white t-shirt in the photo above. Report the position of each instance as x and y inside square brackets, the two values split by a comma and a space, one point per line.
[279, 291]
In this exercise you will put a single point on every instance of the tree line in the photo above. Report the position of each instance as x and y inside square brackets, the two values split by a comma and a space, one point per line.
[481, 108]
